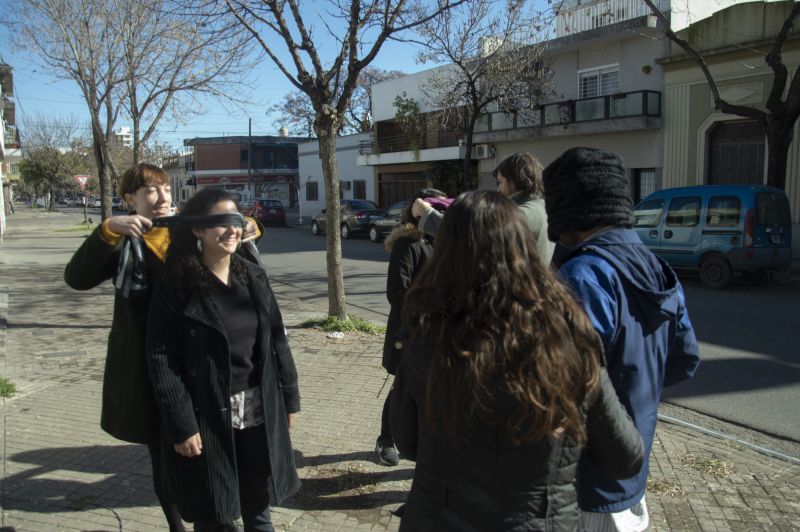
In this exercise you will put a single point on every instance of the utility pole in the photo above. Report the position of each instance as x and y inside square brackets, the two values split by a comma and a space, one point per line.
[250, 157]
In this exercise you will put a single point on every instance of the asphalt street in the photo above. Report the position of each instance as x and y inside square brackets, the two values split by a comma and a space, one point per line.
[750, 373]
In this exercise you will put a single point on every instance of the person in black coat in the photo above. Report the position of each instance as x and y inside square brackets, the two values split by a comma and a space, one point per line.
[223, 374]
[501, 384]
[409, 248]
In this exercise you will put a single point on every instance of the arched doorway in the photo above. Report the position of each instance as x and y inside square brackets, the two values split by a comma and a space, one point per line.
[736, 153]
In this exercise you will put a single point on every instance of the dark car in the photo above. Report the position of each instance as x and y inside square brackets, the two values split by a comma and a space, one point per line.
[355, 217]
[266, 211]
[381, 226]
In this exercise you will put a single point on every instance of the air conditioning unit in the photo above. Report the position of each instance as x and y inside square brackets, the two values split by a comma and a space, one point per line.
[482, 151]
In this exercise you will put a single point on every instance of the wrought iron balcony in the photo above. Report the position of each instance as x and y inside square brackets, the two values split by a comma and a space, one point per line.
[619, 105]
[401, 143]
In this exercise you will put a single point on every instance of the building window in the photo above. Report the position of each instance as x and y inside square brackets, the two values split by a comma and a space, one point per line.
[243, 155]
[600, 81]
[359, 190]
[644, 183]
[312, 191]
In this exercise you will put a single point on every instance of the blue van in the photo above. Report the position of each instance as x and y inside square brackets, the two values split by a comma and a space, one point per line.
[717, 230]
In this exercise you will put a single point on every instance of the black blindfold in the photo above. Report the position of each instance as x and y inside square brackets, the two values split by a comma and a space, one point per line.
[226, 219]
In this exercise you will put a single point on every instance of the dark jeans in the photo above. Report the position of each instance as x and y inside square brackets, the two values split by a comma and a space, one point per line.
[170, 510]
[386, 431]
[252, 466]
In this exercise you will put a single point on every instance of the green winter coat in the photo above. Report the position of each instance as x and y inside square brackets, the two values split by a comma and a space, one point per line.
[129, 410]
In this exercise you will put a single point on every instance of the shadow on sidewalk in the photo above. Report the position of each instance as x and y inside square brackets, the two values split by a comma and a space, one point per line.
[54, 482]
[340, 482]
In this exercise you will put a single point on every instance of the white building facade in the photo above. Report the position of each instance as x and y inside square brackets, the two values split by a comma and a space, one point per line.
[356, 182]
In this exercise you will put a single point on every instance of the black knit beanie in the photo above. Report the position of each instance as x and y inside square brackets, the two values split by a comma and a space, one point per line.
[586, 188]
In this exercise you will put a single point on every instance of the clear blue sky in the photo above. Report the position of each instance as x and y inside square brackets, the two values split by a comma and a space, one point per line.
[38, 91]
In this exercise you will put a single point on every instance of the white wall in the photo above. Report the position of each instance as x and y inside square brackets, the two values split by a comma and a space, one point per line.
[349, 171]
[413, 85]
[687, 12]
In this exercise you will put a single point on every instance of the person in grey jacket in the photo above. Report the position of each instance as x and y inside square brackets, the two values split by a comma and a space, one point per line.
[501, 383]
[519, 177]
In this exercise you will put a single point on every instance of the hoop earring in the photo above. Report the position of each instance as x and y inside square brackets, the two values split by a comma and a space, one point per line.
[199, 246]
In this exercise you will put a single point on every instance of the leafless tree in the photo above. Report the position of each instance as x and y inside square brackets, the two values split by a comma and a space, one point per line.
[326, 64]
[296, 113]
[494, 56]
[359, 113]
[170, 57]
[783, 104]
[77, 41]
[144, 58]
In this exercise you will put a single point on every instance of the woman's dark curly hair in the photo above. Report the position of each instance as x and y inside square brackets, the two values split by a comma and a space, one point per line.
[184, 265]
[504, 324]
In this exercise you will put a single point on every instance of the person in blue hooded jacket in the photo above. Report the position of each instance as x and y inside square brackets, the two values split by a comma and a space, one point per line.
[636, 305]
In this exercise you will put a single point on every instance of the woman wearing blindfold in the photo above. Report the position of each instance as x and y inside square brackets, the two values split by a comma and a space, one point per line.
[223, 374]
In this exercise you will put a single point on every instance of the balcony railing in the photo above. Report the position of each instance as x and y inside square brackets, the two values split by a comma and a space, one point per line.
[604, 13]
[620, 105]
[400, 143]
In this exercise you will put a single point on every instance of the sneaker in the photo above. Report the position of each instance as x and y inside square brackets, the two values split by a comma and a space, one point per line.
[387, 452]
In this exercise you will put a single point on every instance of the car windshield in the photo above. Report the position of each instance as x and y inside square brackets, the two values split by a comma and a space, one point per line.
[363, 206]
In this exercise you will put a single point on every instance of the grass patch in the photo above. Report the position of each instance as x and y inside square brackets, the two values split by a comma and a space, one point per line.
[709, 466]
[332, 323]
[664, 487]
[7, 388]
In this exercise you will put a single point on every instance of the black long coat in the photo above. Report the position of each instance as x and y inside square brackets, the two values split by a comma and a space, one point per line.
[189, 359]
[129, 410]
[480, 481]
[410, 249]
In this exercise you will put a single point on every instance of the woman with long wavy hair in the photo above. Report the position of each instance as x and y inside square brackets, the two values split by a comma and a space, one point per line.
[500, 387]
[223, 374]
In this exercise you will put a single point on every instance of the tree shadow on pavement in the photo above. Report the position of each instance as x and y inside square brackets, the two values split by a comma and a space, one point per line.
[342, 482]
[50, 480]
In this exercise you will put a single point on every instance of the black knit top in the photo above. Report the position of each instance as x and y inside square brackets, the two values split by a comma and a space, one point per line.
[241, 325]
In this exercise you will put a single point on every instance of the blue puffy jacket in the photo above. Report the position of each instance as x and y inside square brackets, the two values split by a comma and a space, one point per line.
[637, 306]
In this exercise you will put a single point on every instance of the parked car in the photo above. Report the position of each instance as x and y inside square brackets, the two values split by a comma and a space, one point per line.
[116, 203]
[381, 226]
[71, 201]
[716, 230]
[355, 217]
[95, 202]
[266, 211]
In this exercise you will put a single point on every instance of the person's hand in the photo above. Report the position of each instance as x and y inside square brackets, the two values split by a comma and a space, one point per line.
[420, 208]
[249, 231]
[290, 420]
[193, 446]
[130, 225]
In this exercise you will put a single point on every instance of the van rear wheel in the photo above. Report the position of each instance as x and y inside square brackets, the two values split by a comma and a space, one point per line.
[715, 272]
